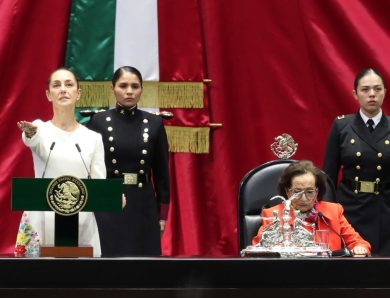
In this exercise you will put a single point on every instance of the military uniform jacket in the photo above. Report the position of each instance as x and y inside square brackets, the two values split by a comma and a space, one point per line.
[135, 143]
[362, 156]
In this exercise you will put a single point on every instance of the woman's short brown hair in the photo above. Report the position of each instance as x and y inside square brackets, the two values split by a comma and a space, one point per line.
[298, 168]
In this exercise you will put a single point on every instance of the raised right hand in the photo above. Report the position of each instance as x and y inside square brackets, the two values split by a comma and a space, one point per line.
[27, 127]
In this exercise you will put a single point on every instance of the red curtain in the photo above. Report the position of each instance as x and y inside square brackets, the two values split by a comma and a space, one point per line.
[276, 67]
[32, 45]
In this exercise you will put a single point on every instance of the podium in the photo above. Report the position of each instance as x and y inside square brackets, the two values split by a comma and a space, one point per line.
[30, 194]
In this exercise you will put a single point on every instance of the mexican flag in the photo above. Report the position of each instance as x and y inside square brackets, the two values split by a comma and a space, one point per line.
[104, 35]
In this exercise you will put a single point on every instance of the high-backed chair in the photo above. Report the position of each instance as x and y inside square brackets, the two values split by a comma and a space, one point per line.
[255, 191]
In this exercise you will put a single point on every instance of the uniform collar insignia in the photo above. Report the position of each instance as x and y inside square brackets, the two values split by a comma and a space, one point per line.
[126, 111]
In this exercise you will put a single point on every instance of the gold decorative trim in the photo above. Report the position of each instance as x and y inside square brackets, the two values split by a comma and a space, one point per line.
[96, 94]
[178, 94]
[188, 139]
[155, 94]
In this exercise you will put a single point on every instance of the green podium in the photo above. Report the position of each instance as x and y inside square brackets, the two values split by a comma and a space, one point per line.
[31, 194]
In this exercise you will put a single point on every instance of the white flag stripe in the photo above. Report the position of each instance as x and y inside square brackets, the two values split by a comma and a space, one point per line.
[136, 37]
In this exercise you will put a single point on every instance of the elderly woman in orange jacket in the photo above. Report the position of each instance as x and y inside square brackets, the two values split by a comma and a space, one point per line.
[308, 184]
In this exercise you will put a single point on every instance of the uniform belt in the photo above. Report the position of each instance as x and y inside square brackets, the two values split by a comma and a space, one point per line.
[364, 186]
[130, 178]
[135, 178]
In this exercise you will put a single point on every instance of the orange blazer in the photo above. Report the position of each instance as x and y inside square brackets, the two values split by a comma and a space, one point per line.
[333, 213]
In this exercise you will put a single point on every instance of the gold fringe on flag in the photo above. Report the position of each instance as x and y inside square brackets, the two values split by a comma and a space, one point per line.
[188, 139]
[179, 94]
[155, 94]
[96, 94]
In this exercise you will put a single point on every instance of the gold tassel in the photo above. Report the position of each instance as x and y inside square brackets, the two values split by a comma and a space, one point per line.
[180, 95]
[188, 139]
[155, 94]
[96, 94]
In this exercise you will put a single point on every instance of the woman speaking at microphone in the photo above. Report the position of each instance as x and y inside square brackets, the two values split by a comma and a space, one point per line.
[56, 146]
[307, 183]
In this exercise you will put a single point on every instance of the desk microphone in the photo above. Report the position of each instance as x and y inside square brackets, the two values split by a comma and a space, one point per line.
[86, 168]
[47, 160]
[344, 252]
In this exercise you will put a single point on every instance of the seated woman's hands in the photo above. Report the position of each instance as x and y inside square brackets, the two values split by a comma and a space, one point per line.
[359, 251]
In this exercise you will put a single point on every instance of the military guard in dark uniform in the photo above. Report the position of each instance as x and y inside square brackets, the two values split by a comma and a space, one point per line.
[359, 145]
[136, 150]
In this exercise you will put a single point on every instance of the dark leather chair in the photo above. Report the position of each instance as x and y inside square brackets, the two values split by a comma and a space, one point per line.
[255, 191]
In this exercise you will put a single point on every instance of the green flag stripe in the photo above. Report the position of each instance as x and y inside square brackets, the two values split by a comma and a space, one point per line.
[91, 37]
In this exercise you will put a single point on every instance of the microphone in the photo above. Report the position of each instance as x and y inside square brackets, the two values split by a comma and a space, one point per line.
[86, 168]
[47, 160]
[344, 252]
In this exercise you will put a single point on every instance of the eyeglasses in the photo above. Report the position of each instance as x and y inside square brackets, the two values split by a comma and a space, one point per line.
[310, 193]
